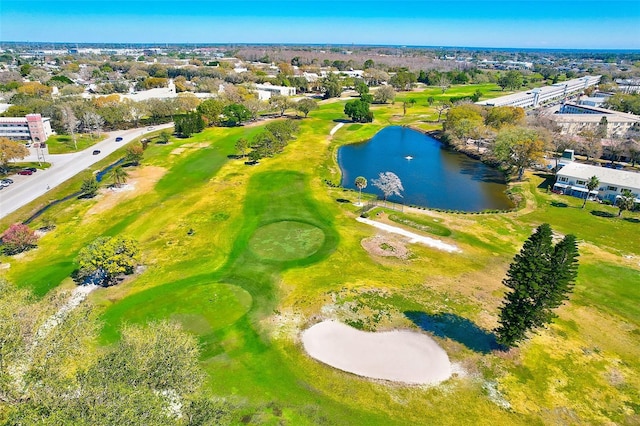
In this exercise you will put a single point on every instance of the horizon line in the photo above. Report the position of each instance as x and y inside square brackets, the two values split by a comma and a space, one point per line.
[406, 46]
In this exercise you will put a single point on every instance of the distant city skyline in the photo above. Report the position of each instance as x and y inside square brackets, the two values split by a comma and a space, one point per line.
[591, 24]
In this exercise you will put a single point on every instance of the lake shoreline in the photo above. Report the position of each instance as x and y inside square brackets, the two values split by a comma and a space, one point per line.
[438, 135]
[433, 175]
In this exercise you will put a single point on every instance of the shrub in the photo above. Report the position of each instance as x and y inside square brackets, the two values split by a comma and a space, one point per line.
[18, 238]
[134, 154]
[89, 187]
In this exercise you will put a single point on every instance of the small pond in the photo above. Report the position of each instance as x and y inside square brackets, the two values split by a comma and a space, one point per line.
[432, 176]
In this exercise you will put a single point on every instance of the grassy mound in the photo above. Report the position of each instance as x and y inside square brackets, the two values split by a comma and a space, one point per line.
[286, 240]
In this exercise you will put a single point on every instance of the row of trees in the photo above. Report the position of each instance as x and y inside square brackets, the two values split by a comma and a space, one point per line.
[271, 141]
[503, 128]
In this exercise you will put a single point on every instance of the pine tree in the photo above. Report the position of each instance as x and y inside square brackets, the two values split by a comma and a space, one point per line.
[526, 278]
[541, 278]
[562, 274]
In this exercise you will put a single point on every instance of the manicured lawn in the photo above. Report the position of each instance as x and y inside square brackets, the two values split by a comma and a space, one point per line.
[245, 257]
[202, 308]
[286, 240]
[63, 144]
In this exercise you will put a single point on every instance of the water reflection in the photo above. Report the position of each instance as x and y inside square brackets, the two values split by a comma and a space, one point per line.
[433, 177]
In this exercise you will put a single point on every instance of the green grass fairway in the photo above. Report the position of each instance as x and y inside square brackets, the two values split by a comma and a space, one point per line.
[286, 240]
[246, 257]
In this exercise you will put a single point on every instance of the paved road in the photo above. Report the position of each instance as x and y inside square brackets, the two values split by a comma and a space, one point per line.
[63, 167]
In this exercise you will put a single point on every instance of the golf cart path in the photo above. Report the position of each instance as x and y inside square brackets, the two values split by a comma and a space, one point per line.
[413, 238]
[335, 129]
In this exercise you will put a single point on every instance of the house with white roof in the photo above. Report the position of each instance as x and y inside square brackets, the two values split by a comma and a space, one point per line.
[266, 91]
[572, 180]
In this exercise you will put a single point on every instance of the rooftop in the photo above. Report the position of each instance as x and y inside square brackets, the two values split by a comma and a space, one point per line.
[606, 175]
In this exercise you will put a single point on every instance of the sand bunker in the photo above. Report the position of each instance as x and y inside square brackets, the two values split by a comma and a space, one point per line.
[400, 356]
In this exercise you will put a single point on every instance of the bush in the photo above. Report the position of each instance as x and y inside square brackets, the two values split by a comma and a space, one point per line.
[134, 154]
[18, 238]
[89, 187]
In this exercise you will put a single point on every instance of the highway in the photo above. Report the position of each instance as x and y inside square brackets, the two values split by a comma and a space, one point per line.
[63, 167]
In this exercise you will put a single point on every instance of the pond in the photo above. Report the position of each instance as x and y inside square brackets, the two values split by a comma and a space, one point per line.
[432, 176]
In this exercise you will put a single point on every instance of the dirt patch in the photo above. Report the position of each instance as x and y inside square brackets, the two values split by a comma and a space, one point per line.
[196, 145]
[380, 245]
[178, 151]
[140, 180]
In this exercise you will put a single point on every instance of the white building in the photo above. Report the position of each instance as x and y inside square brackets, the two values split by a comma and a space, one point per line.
[572, 180]
[265, 91]
[594, 101]
[542, 95]
[573, 119]
[33, 128]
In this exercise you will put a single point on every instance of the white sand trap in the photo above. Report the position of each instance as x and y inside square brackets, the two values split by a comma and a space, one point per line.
[400, 356]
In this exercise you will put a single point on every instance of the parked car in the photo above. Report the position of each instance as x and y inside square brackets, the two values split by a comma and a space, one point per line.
[25, 172]
[33, 169]
[150, 128]
[96, 151]
[7, 181]
[119, 139]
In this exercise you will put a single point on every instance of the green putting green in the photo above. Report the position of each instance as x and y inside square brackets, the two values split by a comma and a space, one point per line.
[201, 309]
[286, 240]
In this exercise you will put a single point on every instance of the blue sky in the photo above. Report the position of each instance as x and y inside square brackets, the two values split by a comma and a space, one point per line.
[591, 24]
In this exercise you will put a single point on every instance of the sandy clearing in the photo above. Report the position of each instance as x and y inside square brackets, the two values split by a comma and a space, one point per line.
[196, 145]
[335, 129]
[388, 246]
[141, 180]
[400, 356]
[413, 238]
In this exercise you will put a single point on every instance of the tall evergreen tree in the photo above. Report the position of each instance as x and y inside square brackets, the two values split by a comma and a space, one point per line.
[525, 278]
[562, 274]
[540, 278]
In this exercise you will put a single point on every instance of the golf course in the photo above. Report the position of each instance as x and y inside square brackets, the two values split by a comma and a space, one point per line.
[247, 257]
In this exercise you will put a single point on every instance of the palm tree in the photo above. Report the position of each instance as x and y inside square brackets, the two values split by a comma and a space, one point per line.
[119, 175]
[626, 201]
[361, 183]
[592, 184]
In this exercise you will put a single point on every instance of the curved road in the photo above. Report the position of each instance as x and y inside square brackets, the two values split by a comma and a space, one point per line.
[63, 167]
